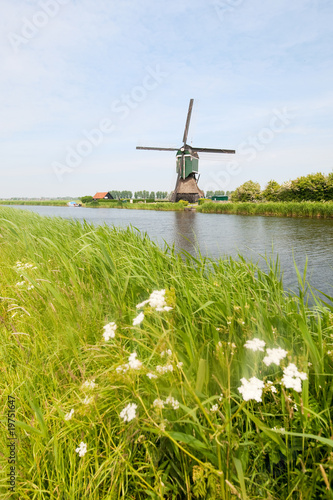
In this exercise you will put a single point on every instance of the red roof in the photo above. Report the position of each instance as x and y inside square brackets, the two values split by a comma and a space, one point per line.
[100, 196]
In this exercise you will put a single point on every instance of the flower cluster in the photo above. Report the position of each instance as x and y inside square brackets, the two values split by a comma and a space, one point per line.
[133, 363]
[109, 331]
[255, 345]
[128, 413]
[292, 378]
[251, 389]
[140, 317]
[82, 449]
[23, 283]
[20, 266]
[168, 352]
[164, 369]
[274, 356]
[89, 384]
[159, 403]
[156, 301]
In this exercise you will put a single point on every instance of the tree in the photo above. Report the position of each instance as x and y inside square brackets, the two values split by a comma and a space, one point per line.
[272, 191]
[86, 199]
[249, 191]
[152, 196]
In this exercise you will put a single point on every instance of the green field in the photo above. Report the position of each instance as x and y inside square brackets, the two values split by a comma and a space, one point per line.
[191, 434]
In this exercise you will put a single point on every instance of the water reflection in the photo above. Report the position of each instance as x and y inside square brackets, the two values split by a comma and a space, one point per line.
[185, 231]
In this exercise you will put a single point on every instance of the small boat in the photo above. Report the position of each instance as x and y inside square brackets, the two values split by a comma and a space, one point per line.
[73, 204]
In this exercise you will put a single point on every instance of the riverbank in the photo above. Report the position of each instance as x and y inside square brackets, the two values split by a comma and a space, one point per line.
[277, 209]
[45, 203]
[189, 430]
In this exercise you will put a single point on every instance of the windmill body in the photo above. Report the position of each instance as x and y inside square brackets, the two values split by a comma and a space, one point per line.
[187, 165]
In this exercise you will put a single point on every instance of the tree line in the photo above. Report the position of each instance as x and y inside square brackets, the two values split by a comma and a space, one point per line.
[312, 187]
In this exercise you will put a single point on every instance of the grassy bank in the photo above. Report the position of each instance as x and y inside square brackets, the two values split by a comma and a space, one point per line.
[137, 206]
[285, 209]
[192, 433]
[48, 203]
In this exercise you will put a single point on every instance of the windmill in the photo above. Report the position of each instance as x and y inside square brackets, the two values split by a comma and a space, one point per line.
[187, 165]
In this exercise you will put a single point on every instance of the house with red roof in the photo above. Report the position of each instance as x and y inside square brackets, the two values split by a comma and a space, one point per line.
[103, 196]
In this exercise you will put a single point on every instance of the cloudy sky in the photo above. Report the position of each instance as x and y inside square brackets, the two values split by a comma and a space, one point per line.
[83, 82]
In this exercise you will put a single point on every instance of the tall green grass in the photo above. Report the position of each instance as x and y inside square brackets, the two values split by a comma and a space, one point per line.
[287, 209]
[52, 342]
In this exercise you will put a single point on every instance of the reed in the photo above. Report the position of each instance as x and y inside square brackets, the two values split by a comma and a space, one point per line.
[284, 209]
[193, 434]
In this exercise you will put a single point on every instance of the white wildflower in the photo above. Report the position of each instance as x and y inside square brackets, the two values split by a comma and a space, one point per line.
[142, 304]
[156, 301]
[271, 386]
[292, 378]
[158, 403]
[89, 384]
[82, 449]
[251, 389]
[214, 408]
[134, 363]
[221, 397]
[173, 402]
[151, 375]
[180, 364]
[168, 352]
[122, 368]
[69, 415]
[255, 345]
[274, 356]
[164, 369]
[138, 319]
[109, 331]
[128, 413]
[87, 400]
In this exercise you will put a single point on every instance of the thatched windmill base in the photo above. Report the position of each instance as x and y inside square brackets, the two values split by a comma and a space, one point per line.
[187, 189]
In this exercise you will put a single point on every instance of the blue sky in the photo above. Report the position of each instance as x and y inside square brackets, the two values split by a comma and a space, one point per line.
[84, 82]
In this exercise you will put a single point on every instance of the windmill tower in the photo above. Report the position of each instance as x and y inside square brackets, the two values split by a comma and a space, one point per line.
[187, 165]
